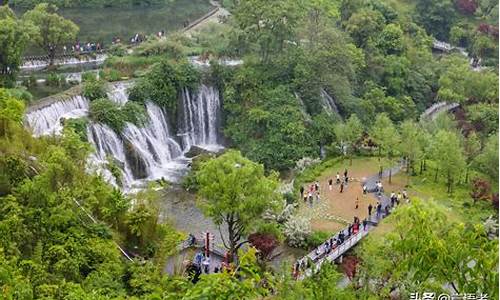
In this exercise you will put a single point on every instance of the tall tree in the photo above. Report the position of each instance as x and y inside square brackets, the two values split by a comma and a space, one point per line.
[487, 161]
[387, 138]
[447, 153]
[267, 24]
[53, 30]
[14, 35]
[348, 135]
[235, 192]
[411, 146]
[472, 147]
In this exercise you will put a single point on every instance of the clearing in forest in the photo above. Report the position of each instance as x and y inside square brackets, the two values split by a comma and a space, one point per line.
[335, 210]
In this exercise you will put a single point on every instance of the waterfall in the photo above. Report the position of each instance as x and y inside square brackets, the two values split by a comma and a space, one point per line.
[199, 123]
[47, 120]
[328, 103]
[107, 144]
[146, 152]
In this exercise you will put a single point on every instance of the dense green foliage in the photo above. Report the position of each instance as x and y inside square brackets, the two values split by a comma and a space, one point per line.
[425, 251]
[53, 30]
[235, 192]
[14, 35]
[50, 247]
[164, 83]
[88, 3]
[115, 116]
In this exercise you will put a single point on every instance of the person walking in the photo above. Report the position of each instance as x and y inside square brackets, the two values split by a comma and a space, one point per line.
[341, 187]
[301, 191]
[316, 186]
[338, 178]
[370, 207]
[206, 264]
[399, 197]
[365, 189]
[357, 203]
[379, 209]
[310, 198]
[345, 173]
[364, 224]
[330, 184]
[317, 197]
[305, 197]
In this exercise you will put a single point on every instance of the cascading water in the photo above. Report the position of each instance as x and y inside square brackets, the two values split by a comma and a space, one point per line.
[141, 153]
[47, 120]
[200, 115]
[328, 103]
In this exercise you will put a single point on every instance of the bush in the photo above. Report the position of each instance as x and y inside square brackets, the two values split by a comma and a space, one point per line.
[317, 238]
[296, 231]
[110, 74]
[79, 126]
[265, 243]
[163, 83]
[94, 89]
[89, 76]
[110, 113]
[54, 79]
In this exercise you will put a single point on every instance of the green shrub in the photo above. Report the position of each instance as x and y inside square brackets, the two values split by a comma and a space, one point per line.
[112, 166]
[134, 112]
[54, 79]
[89, 76]
[79, 126]
[115, 116]
[94, 89]
[163, 83]
[110, 74]
[317, 238]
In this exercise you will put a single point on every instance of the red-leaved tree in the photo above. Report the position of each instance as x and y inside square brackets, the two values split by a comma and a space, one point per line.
[480, 189]
[494, 200]
[265, 243]
[467, 7]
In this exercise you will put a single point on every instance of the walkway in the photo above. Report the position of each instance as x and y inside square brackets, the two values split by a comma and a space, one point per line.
[436, 109]
[351, 240]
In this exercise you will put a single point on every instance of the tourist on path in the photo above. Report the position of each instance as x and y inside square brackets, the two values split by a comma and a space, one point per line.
[338, 178]
[370, 207]
[330, 184]
[206, 264]
[357, 203]
[316, 186]
[364, 224]
[365, 189]
[341, 187]
[379, 209]
[345, 173]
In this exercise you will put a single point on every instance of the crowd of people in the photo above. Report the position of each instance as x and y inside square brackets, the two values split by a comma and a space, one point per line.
[201, 264]
[352, 229]
[313, 190]
[330, 245]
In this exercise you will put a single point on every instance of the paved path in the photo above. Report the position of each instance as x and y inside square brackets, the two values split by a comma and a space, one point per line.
[317, 257]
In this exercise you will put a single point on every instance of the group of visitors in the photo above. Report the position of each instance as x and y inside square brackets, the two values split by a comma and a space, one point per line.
[311, 194]
[342, 183]
[329, 245]
[83, 47]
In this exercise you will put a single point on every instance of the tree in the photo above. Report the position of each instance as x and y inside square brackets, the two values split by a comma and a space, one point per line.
[447, 153]
[436, 17]
[427, 250]
[348, 135]
[411, 144]
[386, 136]
[235, 192]
[268, 25]
[480, 190]
[472, 147]
[14, 35]
[391, 39]
[53, 30]
[487, 161]
[364, 26]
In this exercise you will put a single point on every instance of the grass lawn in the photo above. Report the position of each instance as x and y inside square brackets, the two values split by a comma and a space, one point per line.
[459, 204]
